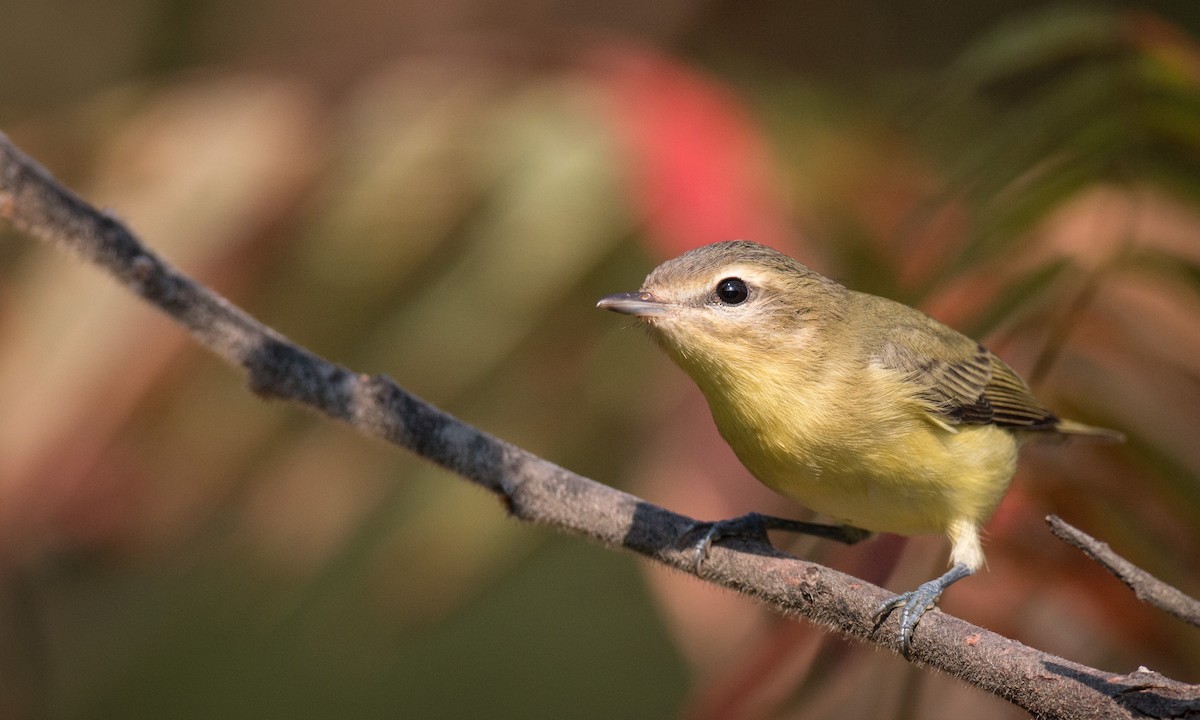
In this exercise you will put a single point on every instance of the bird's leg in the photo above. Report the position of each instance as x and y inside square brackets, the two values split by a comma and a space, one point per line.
[755, 525]
[916, 602]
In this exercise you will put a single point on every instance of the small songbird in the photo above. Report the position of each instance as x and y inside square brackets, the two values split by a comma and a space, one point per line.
[860, 408]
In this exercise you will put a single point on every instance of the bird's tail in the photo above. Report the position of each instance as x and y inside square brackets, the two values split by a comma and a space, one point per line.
[1070, 427]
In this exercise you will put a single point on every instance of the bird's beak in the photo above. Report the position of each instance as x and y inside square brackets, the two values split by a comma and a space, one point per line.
[638, 304]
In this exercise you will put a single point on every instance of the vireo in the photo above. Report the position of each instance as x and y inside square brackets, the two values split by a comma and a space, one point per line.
[858, 407]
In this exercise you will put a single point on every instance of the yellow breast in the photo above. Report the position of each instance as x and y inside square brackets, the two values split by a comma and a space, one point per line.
[867, 453]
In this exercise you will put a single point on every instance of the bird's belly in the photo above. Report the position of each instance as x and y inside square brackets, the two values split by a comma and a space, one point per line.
[911, 480]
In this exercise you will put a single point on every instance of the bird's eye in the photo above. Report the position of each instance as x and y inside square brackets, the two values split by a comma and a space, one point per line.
[732, 291]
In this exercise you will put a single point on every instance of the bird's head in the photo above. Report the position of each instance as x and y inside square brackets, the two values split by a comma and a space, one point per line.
[732, 306]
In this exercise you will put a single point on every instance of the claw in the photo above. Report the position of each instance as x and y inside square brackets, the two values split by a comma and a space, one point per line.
[916, 602]
[704, 544]
[751, 525]
[755, 525]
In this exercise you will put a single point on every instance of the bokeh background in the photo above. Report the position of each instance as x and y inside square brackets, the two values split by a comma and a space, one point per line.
[440, 192]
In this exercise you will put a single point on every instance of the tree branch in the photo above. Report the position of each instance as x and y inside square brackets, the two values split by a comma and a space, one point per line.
[537, 491]
[1145, 586]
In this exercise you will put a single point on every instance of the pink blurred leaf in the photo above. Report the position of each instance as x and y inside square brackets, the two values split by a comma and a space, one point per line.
[699, 168]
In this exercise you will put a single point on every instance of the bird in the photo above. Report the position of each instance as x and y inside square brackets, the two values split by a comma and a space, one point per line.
[860, 408]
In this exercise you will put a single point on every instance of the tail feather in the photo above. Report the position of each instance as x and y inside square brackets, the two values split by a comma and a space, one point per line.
[1070, 427]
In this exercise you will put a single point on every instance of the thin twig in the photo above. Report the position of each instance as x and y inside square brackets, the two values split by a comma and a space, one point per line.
[1145, 586]
[537, 491]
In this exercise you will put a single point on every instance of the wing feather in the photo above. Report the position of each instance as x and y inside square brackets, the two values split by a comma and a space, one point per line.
[965, 384]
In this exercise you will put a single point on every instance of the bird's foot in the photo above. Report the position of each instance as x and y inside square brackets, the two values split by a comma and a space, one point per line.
[755, 526]
[916, 602]
[751, 525]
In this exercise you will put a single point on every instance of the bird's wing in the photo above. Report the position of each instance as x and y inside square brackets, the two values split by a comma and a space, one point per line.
[964, 383]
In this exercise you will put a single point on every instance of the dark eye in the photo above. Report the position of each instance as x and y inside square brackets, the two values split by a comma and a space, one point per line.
[732, 291]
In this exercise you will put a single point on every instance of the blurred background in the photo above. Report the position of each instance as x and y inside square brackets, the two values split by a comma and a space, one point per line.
[440, 192]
